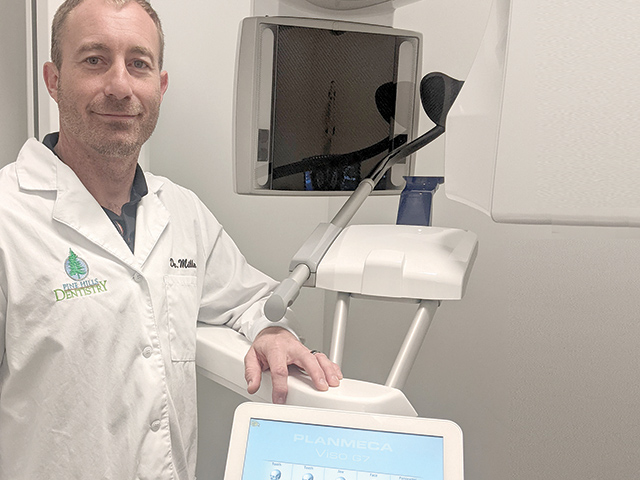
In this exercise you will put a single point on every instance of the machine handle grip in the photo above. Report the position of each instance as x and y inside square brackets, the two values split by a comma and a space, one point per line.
[285, 293]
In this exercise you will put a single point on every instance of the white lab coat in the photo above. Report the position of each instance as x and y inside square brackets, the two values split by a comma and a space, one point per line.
[97, 376]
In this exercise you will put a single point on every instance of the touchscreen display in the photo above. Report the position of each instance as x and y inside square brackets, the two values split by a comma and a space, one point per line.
[278, 450]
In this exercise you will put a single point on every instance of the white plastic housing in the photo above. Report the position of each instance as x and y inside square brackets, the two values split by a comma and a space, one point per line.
[399, 261]
[545, 130]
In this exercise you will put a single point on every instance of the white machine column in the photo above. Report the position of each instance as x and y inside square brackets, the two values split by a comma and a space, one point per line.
[412, 342]
[339, 327]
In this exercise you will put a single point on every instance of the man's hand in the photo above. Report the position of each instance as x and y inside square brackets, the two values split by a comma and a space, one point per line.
[274, 349]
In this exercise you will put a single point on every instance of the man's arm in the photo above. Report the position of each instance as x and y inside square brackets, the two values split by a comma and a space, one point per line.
[275, 349]
[234, 294]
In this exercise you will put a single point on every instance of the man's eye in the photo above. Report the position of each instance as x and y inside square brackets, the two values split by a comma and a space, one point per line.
[93, 60]
[139, 64]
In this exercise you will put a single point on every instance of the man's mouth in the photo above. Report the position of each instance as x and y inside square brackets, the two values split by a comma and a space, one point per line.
[118, 115]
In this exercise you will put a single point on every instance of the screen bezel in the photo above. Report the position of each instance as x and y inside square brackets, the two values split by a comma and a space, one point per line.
[449, 431]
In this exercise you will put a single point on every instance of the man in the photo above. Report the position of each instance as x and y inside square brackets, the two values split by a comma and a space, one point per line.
[104, 272]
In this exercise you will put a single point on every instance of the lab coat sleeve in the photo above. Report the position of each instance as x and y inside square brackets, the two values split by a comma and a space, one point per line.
[234, 292]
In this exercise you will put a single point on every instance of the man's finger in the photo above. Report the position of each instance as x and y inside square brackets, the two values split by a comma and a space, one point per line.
[332, 372]
[279, 374]
[252, 371]
[320, 369]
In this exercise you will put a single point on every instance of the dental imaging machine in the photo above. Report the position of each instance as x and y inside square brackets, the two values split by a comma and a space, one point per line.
[326, 107]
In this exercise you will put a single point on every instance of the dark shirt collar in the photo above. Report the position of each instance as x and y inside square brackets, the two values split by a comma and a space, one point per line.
[51, 140]
[139, 188]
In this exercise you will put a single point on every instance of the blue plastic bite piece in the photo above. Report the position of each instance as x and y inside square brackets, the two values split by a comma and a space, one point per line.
[415, 200]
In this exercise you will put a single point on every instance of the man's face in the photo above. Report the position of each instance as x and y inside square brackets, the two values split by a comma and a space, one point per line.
[109, 87]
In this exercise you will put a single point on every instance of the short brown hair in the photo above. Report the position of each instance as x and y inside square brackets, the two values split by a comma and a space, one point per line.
[63, 11]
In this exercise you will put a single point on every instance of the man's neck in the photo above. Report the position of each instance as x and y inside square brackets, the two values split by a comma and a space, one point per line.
[108, 179]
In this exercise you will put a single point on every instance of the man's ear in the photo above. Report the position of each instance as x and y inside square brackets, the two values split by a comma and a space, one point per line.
[51, 77]
[164, 82]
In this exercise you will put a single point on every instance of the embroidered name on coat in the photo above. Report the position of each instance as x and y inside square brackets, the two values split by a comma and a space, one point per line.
[182, 263]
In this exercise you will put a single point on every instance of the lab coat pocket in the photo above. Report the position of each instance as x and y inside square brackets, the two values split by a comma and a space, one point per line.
[182, 312]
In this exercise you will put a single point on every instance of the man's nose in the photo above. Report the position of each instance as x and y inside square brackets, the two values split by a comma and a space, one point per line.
[118, 82]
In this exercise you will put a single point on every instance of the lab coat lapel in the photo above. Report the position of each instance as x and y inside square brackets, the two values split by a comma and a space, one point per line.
[152, 218]
[39, 169]
[76, 208]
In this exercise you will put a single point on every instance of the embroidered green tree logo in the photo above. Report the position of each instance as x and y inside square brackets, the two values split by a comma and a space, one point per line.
[75, 267]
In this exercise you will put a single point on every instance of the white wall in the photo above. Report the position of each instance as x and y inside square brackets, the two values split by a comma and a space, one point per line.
[538, 363]
[13, 81]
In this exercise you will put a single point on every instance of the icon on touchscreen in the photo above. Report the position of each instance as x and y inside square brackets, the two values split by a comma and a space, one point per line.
[275, 475]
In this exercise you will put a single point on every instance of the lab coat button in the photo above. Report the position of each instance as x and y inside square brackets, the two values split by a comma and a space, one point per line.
[147, 352]
[155, 425]
[137, 277]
